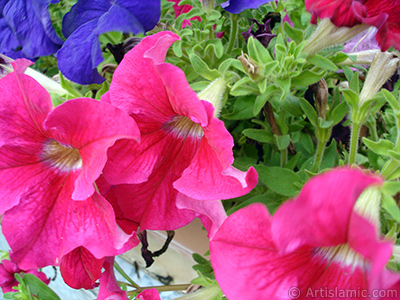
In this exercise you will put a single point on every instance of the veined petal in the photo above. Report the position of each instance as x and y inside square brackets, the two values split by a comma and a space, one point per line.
[31, 24]
[150, 294]
[211, 167]
[80, 269]
[24, 105]
[54, 225]
[91, 127]
[319, 208]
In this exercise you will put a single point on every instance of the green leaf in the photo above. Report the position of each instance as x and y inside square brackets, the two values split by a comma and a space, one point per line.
[67, 85]
[226, 64]
[39, 288]
[262, 99]
[216, 45]
[243, 87]
[242, 109]
[394, 154]
[324, 124]
[322, 62]
[284, 84]
[351, 98]
[202, 68]
[294, 33]
[389, 204]
[347, 72]
[394, 103]
[282, 181]
[291, 104]
[380, 147]
[391, 187]
[339, 112]
[307, 78]
[354, 83]
[177, 48]
[291, 164]
[259, 135]
[270, 67]
[258, 52]
[309, 111]
[282, 141]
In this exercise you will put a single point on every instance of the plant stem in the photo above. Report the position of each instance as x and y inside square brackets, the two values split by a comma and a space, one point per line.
[126, 276]
[162, 288]
[318, 156]
[233, 34]
[284, 157]
[355, 132]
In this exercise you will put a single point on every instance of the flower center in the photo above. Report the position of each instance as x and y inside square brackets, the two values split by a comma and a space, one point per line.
[183, 127]
[343, 255]
[61, 156]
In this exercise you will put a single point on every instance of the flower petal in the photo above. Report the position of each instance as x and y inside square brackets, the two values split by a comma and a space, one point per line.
[150, 294]
[80, 269]
[237, 6]
[325, 202]
[84, 24]
[91, 127]
[109, 288]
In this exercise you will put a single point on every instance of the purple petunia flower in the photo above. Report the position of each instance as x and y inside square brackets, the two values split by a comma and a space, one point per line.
[237, 6]
[82, 26]
[26, 29]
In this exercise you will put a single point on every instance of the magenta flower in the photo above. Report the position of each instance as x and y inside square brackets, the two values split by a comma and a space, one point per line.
[316, 242]
[383, 14]
[7, 279]
[49, 160]
[185, 156]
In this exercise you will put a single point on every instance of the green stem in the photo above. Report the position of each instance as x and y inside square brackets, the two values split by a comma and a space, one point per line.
[161, 288]
[234, 32]
[355, 132]
[207, 293]
[318, 156]
[126, 276]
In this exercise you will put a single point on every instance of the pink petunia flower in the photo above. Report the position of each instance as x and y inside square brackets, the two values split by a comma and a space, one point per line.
[383, 14]
[185, 151]
[315, 247]
[49, 160]
[7, 279]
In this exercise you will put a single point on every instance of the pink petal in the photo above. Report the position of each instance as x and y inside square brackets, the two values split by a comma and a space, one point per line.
[92, 127]
[24, 105]
[80, 269]
[211, 213]
[109, 288]
[150, 294]
[20, 65]
[211, 167]
[53, 225]
[325, 202]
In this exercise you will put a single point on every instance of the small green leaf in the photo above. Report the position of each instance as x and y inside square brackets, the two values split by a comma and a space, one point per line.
[259, 135]
[279, 180]
[391, 207]
[282, 141]
[394, 103]
[294, 33]
[351, 98]
[39, 288]
[309, 111]
[322, 62]
[354, 83]
[307, 78]
[202, 68]
[380, 147]
[216, 45]
[391, 188]
[177, 48]
[257, 51]
[393, 154]
[339, 112]
[242, 109]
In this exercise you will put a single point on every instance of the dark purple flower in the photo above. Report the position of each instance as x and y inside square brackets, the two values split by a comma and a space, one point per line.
[263, 33]
[82, 26]
[26, 29]
[237, 6]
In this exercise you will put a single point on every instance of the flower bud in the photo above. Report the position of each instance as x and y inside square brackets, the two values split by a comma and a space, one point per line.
[214, 93]
[251, 67]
